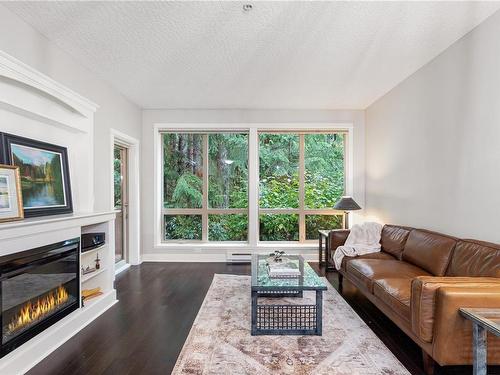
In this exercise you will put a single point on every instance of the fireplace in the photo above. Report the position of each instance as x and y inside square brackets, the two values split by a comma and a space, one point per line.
[38, 287]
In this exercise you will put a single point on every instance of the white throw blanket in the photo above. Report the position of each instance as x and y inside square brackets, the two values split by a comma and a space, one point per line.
[363, 239]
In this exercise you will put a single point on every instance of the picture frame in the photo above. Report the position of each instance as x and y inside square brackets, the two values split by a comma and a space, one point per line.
[44, 174]
[11, 202]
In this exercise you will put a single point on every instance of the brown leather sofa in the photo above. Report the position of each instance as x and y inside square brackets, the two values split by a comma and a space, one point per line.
[420, 279]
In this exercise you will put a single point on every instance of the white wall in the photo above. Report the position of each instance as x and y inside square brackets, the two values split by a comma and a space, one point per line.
[26, 44]
[433, 142]
[152, 117]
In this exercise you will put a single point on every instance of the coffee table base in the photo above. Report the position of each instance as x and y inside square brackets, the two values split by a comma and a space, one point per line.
[286, 319]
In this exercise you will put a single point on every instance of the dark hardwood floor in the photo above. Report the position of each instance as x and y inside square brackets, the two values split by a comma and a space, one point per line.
[145, 331]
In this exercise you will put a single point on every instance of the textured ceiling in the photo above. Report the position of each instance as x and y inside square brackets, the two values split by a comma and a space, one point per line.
[279, 55]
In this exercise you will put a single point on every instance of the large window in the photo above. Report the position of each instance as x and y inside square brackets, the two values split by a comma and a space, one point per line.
[295, 178]
[205, 186]
[302, 175]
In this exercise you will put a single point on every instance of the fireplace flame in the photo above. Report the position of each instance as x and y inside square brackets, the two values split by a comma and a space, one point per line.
[35, 310]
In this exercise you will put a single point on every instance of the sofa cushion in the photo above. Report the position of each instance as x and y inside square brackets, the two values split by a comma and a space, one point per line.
[396, 293]
[393, 239]
[429, 250]
[364, 272]
[377, 255]
[475, 258]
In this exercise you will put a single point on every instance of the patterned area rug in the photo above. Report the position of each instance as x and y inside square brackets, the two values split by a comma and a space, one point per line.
[220, 341]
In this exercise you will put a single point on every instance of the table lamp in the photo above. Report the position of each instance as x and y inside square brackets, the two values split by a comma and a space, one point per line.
[346, 204]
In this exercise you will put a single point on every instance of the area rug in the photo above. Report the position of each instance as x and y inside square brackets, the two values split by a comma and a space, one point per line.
[220, 341]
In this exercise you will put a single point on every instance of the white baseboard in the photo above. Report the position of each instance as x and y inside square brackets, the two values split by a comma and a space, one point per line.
[22, 359]
[203, 258]
[122, 268]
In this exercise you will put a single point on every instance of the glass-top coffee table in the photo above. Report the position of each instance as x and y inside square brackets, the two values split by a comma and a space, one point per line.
[285, 318]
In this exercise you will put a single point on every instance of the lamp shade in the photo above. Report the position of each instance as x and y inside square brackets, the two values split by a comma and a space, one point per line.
[346, 204]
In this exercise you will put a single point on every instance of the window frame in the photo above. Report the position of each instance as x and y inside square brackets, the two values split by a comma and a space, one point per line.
[302, 211]
[205, 210]
[253, 130]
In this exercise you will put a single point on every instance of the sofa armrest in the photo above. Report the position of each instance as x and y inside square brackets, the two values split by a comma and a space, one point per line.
[337, 238]
[424, 294]
[452, 343]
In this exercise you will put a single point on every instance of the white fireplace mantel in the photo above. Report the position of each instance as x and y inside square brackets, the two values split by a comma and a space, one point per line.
[36, 232]
[31, 226]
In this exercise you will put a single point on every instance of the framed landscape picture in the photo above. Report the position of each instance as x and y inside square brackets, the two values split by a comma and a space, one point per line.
[44, 175]
[11, 204]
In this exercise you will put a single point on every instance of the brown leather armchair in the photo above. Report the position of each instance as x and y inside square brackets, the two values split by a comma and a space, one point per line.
[420, 279]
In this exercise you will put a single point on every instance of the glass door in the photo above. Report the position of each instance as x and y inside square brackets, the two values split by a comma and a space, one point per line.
[121, 204]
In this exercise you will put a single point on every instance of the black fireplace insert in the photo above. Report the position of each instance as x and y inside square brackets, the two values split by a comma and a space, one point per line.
[38, 287]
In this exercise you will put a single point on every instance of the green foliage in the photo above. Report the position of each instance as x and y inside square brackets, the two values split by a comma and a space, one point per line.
[279, 170]
[117, 177]
[228, 183]
[279, 192]
[228, 170]
[317, 222]
[324, 165]
[183, 227]
[279, 185]
[279, 227]
[322, 192]
[182, 170]
[187, 191]
[232, 227]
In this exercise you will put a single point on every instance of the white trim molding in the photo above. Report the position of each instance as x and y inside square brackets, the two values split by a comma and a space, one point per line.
[177, 251]
[123, 267]
[134, 209]
[47, 99]
[34, 105]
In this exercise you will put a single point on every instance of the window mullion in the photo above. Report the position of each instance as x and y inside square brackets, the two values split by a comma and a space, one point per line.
[162, 188]
[182, 211]
[302, 220]
[226, 211]
[204, 215]
[253, 187]
[346, 162]
[294, 211]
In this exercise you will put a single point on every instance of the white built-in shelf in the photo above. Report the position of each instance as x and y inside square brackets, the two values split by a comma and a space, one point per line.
[93, 251]
[96, 300]
[89, 276]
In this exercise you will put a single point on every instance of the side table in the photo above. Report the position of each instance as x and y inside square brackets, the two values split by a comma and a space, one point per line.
[324, 243]
[483, 321]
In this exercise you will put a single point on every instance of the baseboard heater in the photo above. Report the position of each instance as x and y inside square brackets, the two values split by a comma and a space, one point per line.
[238, 257]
